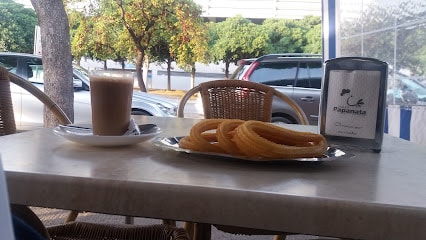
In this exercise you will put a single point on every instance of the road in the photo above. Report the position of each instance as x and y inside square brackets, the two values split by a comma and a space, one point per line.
[193, 108]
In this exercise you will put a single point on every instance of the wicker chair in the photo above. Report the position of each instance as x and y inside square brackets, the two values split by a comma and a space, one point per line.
[236, 99]
[7, 120]
[71, 230]
[95, 231]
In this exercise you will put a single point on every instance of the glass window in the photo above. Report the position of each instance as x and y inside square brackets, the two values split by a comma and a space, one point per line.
[34, 70]
[303, 76]
[309, 75]
[10, 63]
[391, 31]
[240, 72]
[315, 74]
[277, 73]
[410, 85]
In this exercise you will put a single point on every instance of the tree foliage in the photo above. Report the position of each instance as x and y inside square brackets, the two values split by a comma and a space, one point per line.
[146, 22]
[17, 26]
[189, 43]
[98, 36]
[294, 36]
[79, 24]
[238, 38]
[283, 36]
[234, 39]
[311, 29]
[172, 30]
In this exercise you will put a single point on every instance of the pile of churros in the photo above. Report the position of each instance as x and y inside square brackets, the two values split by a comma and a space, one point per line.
[252, 139]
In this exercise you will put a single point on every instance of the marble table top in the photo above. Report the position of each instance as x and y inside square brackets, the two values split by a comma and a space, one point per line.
[368, 196]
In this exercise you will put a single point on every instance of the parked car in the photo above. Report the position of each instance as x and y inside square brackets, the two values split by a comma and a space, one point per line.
[299, 77]
[29, 111]
[406, 91]
[243, 65]
[296, 75]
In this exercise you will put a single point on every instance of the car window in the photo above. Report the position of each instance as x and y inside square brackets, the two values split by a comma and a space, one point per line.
[309, 75]
[315, 74]
[10, 63]
[35, 70]
[239, 73]
[410, 85]
[275, 73]
[303, 76]
[80, 70]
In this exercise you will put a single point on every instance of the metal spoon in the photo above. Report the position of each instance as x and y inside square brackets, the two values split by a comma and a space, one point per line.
[143, 128]
[148, 128]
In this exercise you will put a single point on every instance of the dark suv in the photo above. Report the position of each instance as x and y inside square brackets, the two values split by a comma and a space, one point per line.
[296, 75]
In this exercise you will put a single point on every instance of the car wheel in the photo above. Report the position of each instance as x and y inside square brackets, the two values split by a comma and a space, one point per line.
[282, 119]
[140, 112]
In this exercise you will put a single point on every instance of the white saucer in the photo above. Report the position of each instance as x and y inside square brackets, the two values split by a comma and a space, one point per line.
[87, 138]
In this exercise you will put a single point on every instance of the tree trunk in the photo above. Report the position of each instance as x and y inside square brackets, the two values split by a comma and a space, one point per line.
[227, 69]
[139, 59]
[105, 65]
[145, 69]
[56, 56]
[169, 70]
[193, 76]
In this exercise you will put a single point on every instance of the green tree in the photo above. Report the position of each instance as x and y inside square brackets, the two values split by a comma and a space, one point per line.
[189, 44]
[98, 36]
[293, 35]
[234, 39]
[17, 26]
[106, 39]
[311, 29]
[150, 25]
[313, 40]
[144, 21]
[284, 36]
[79, 34]
[184, 41]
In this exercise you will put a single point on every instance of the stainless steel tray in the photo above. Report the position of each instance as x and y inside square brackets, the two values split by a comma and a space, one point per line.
[173, 144]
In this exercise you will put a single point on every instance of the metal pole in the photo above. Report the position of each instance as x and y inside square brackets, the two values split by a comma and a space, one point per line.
[394, 57]
[362, 28]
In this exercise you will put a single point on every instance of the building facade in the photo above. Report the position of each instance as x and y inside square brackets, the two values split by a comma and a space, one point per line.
[257, 10]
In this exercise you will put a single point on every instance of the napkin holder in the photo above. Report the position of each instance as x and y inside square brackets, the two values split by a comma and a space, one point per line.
[353, 102]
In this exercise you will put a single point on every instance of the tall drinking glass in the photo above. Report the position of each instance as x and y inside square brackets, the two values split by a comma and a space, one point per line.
[111, 98]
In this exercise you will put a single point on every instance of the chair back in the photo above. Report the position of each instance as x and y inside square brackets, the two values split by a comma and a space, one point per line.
[7, 120]
[236, 99]
[91, 231]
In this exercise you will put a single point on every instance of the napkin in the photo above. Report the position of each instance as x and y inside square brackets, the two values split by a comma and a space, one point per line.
[133, 128]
